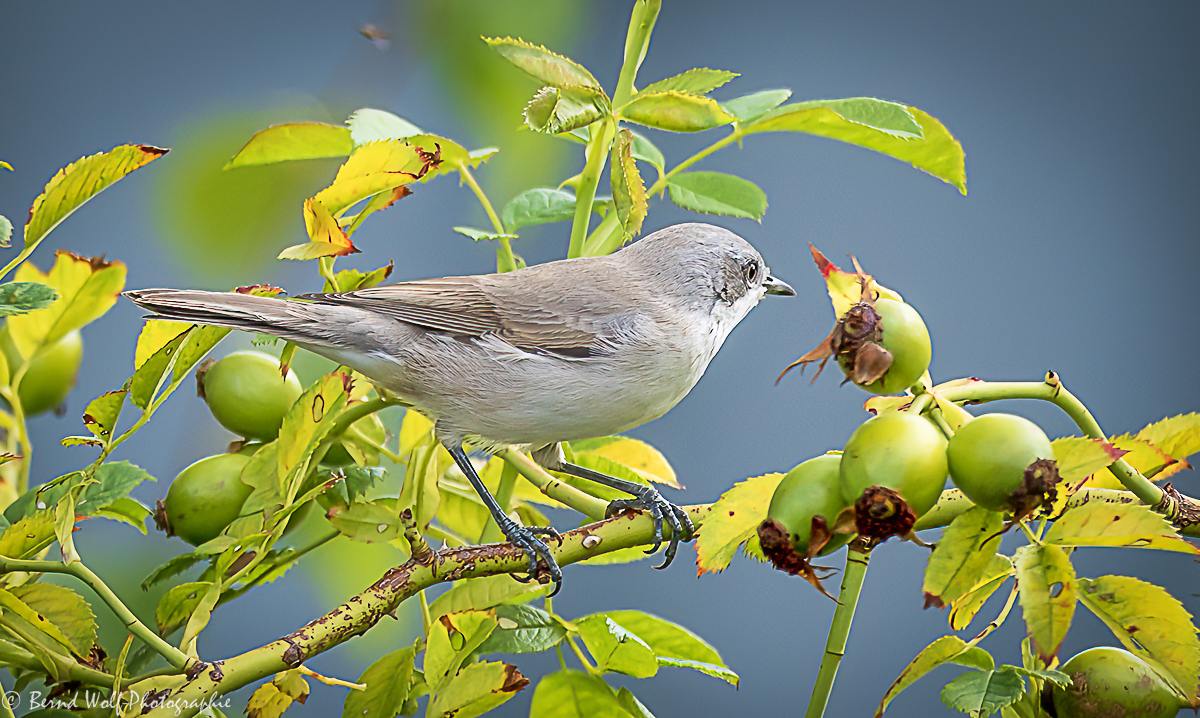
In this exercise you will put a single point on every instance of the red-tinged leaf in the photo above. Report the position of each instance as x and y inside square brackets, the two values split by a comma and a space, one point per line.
[294, 141]
[322, 229]
[80, 181]
[845, 288]
[373, 168]
[1078, 457]
[1178, 436]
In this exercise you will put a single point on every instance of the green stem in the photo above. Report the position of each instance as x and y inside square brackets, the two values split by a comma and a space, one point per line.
[579, 654]
[857, 559]
[508, 482]
[725, 141]
[28, 250]
[506, 261]
[67, 667]
[585, 504]
[18, 413]
[6, 709]
[426, 618]
[325, 269]
[1053, 391]
[602, 133]
[637, 42]
[81, 572]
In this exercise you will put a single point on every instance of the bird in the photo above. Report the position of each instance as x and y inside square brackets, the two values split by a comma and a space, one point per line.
[550, 353]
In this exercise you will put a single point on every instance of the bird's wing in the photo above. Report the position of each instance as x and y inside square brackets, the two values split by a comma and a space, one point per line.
[467, 306]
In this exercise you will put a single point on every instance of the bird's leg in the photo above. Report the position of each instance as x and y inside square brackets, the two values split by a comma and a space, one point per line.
[646, 497]
[523, 537]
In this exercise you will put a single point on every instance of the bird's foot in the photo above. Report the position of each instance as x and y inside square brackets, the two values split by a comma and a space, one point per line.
[541, 561]
[649, 499]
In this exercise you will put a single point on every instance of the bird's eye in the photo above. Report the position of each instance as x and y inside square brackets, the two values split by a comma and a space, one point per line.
[751, 271]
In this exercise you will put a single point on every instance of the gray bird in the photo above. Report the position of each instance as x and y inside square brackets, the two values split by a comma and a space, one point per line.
[555, 352]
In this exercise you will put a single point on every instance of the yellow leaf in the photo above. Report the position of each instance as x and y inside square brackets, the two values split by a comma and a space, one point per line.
[1151, 623]
[1178, 436]
[294, 141]
[313, 250]
[1047, 593]
[947, 649]
[155, 335]
[1078, 457]
[87, 288]
[452, 638]
[965, 551]
[270, 700]
[733, 520]
[306, 424]
[964, 608]
[374, 168]
[1113, 524]
[80, 181]
[415, 430]
[645, 460]
[322, 227]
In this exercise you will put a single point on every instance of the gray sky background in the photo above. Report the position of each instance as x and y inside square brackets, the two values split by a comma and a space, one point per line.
[1075, 250]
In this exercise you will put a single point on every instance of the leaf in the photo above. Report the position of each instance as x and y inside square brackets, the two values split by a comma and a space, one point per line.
[1047, 586]
[616, 649]
[5, 231]
[479, 594]
[734, 519]
[717, 193]
[984, 692]
[156, 334]
[845, 290]
[631, 704]
[544, 65]
[374, 168]
[128, 511]
[87, 288]
[675, 111]
[350, 279]
[562, 109]
[1149, 622]
[667, 639]
[478, 234]
[574, 694]
[629, 192]
[64, 608]
[27, 535]
[947, 649]
[304, 426]
[328, 239]
[938, 153]
[388, 680]
[78, 182]
[271, 699]
[369, 125]
[638, 456]
[1134, 525]
[645, 151]
[964, 552]
[1078, 457]
[476, 689]
[964, 608]
[177, 604]
[367, 521]
[293, 141]
[523, 629]
[9, 602]
[539, 205]
[1178, 436]
[22, 297]
[697, 81]
[101, 414]
[452, 638]
[754, 105]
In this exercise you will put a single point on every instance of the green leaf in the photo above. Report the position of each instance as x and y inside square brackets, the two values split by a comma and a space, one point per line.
[80, 181]
[947, 649]
[177, 604]
[709, 669]
[718, 193]
[616, 649]
[1149, 622]
[11, 603]
[452, 638]
[984, 692]
[645, 151]
[540, 205]
[544, 65]
[64, 608]
[574, 694]
[110, 482]
[369, 125]
[697, 81]
[478, 594]
[754, 105]
[1108, 524]
[304, 426]
[734, 519]
[478, 234]
[562, 109]
[667, 639]
[101, 414]
[1047, 586]
[128, 511]
[476, 689]
[1179, 436]
[388, 680]
[631, 704]
[938, 153]
[675, 111]
[964, 608]
[87, 288]
[523, 629]
[27, 535]
[629, 192]
[22, 297]
[964, 552]
[294, 141]
[367, 521]
[6, 230]
[350, 279]
[1078, 457]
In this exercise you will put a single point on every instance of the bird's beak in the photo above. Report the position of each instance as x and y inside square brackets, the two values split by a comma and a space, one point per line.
[778, 286]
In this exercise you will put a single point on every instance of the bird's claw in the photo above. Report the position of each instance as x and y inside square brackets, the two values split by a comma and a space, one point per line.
[649, 499]
[541, 561]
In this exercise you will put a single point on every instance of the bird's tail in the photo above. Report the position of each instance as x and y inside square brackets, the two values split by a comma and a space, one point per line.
[303, 322]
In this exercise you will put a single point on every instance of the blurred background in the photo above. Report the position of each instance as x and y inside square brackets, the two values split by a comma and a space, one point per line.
[1073, 251]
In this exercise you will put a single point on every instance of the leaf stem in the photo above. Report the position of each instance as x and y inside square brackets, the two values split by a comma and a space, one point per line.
[174, 656]
[582, 658]
[21, 430]
[325, 269]
[857, 558]
[585, 504]
[506, 261]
